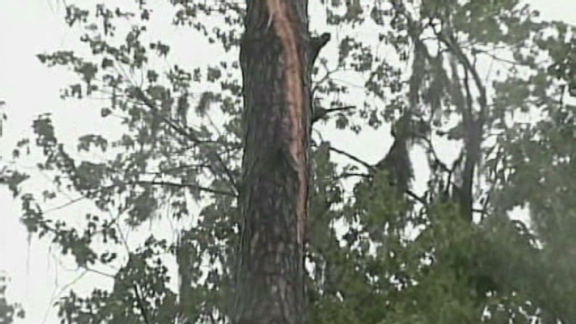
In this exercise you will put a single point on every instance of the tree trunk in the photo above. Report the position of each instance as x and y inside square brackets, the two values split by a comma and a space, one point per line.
[276, 55]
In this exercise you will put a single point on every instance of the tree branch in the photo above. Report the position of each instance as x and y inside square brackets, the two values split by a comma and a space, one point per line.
[181, 185]
[141, 305]
[320, 112]
[353, 158]
[316, 44]
[139, 94]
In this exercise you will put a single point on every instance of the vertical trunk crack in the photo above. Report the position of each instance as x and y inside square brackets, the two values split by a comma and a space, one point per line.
[282, 18]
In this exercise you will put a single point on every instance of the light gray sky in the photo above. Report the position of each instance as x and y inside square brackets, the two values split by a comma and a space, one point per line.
[29, 27]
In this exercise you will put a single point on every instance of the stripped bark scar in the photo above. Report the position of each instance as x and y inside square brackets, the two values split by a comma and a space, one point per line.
[282, 18]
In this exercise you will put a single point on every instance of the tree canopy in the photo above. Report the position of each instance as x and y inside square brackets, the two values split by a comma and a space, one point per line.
[489, 78]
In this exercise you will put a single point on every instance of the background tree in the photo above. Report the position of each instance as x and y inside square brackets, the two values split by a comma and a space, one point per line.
[383, 249]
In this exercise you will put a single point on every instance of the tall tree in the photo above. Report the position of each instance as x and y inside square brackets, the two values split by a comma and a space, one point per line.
[276, 56]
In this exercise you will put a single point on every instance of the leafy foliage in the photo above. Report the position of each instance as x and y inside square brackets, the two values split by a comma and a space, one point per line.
[8, 311]
[374, 256]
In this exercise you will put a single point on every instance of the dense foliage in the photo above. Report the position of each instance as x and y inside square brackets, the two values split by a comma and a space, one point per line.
[488, 77]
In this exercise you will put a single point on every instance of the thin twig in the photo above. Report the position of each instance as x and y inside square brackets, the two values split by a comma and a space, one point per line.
[182, 185]
[141, 305]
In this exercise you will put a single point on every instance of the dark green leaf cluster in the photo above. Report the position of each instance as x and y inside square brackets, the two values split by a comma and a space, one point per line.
[8, 311]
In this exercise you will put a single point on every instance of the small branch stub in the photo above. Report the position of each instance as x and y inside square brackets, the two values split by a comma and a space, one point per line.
[316, 44]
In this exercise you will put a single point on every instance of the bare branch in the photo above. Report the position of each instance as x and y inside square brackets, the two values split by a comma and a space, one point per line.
[353, 158]
[181, 185]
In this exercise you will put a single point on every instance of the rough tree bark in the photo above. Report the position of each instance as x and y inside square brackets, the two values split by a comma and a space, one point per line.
[276, 56]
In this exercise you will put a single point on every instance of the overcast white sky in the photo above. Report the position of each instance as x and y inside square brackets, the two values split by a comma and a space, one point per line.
[29, 27]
